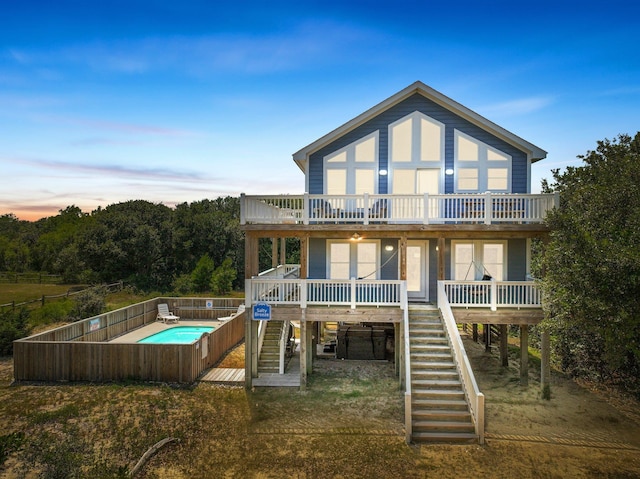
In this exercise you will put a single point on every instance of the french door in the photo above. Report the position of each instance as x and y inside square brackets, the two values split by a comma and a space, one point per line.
[418, 270]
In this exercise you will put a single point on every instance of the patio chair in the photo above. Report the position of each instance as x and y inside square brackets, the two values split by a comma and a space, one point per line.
[237, 313]
[379, 209]
[165, 315]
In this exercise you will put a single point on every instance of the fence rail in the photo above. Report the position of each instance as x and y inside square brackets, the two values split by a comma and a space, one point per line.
[70, 292]
[33, 278]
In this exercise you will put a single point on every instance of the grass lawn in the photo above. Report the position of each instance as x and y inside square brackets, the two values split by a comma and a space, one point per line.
[25, 292]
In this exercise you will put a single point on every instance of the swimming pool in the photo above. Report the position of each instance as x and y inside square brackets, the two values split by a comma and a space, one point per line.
[177, 335]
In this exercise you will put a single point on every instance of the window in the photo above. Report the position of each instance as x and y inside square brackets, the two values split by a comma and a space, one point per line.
[416, 154]
[352, 169]
[339, 260]
[473, 259]
[349, 259]
[480, 167]
[416, 138]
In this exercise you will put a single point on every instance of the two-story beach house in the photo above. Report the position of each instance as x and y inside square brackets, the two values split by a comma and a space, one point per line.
[417, 216]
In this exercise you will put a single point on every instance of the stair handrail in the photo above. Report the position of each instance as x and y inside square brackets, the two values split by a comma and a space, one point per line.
[284, 336]
[262, 330]
[407, 361]
[475, 398]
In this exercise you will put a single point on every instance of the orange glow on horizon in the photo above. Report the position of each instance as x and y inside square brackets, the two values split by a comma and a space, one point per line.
[33, 214]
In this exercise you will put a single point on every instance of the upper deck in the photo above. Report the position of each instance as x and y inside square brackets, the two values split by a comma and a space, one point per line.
[365, 209]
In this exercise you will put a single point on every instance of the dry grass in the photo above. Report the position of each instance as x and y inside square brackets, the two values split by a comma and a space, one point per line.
[348, 424]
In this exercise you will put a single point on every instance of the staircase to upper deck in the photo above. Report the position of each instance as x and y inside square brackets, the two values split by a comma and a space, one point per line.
[439, 410]
[269, 360]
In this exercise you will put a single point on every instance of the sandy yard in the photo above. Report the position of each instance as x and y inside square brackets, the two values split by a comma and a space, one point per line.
[347, 424]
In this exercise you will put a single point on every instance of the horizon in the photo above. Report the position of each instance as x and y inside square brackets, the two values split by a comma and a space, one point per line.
[180, 103]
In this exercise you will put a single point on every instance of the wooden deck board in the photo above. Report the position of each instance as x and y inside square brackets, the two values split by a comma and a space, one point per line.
[224, 376]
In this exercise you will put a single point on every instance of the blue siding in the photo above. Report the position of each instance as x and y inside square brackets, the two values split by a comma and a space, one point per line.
[317, 258]
[450, 120]
[517, 260]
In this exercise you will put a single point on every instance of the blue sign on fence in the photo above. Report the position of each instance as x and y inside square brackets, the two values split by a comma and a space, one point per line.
[261, 312]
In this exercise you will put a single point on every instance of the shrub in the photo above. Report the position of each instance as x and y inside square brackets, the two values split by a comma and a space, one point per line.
[52, 312]
[13, 325]
[89, 302]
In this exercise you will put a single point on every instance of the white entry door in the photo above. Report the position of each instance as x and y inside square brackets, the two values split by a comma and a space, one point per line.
[418, 270]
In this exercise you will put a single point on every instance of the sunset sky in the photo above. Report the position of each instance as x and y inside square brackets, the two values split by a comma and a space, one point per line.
[172, 102]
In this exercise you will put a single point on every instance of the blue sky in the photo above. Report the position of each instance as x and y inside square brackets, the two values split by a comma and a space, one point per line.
[176, 102]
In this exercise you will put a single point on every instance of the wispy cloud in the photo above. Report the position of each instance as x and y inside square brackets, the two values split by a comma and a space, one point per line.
[520, 106]
[245, 52]
[148, 174]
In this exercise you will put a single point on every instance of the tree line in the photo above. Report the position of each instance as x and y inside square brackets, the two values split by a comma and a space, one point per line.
[145, 244]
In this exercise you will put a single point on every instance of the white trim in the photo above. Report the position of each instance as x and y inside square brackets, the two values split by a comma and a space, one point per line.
[350, 165]
[533, 152]
[482, 165]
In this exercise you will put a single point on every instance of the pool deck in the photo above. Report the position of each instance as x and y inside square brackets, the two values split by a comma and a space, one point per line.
[153, 328]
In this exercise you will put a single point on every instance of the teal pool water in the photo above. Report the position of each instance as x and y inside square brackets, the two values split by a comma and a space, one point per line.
[177, 335]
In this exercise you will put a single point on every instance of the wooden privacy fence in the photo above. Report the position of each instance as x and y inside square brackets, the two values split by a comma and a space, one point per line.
[80, 351]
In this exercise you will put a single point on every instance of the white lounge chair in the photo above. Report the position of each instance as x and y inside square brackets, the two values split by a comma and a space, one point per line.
[165, 315]
[238, 312]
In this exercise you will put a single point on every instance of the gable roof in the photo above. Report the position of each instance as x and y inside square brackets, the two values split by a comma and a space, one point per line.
[533, 152]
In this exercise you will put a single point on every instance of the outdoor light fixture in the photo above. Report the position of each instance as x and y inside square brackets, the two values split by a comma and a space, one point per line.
[388, 248]
[448, 171]
[356, 237]
[382, 172]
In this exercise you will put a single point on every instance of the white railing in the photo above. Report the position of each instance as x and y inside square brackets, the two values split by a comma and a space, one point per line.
[475, 398]
[281, 271]
[482, 208]
[284, 336]
[493, 294]
[408, 424]
[326, 292]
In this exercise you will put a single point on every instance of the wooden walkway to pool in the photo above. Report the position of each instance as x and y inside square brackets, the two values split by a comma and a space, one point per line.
[228, 376]
[235, 377]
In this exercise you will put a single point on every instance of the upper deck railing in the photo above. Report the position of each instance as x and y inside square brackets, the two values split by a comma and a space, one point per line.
[483, 208]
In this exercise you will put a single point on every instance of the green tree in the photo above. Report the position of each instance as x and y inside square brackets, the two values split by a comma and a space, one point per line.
[130, 241]
[223, 277]
[591, 264]
[201, 275]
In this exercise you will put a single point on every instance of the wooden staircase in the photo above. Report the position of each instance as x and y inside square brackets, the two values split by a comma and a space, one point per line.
[439, 410]
[269, 360]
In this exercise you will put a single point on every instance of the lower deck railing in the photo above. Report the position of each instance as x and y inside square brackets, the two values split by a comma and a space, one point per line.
[326, 292]
[493, 294]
